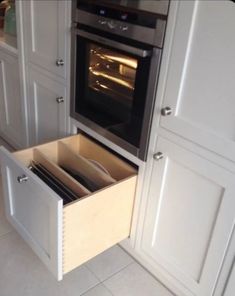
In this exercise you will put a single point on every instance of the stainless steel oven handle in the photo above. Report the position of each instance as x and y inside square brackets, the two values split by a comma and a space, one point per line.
[130, 49]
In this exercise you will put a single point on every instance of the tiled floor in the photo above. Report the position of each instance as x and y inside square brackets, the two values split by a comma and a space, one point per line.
[113, 273]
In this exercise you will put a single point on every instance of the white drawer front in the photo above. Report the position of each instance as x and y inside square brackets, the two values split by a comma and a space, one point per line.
[34, 210]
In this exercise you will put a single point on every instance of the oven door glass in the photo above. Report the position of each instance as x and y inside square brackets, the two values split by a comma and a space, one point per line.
[111, 88]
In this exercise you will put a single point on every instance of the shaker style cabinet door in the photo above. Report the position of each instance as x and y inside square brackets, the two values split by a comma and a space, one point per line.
[230, 285]
[45, 26]
[200, 80]
[189, 219]
[47, 108]
[34, 210]
[11, 115]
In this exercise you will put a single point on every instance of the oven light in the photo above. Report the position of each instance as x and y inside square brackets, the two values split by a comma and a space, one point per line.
[128, 62]
[114, 79]
[112, 58]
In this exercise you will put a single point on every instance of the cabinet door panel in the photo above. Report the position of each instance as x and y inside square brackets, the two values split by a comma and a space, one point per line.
[190, 217]
[200, 81]
[11, 115]
[45, 23]
[230, 286]
[34, 210]
[49, 115]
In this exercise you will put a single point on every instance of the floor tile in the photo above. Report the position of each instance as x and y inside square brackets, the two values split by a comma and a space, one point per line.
[5, 227]
[109, 262]
[78, 281]
[23, 274]
[98, 290]
[135, 281]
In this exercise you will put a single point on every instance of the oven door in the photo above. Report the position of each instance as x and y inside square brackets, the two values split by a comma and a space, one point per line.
[113, 89]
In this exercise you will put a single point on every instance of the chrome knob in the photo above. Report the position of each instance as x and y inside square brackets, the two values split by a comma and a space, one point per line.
[59, 62]
[60, 100]
[157, 156]
[22, 179]
[166, 111]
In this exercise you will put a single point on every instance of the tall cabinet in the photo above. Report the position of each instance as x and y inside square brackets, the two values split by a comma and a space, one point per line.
[47, 36]
[189, 214]
[13, 106]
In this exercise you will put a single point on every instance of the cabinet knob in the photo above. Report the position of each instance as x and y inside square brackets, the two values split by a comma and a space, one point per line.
[60, 100]
[22, 179]
[59, 62]
[166, 111]
[157, 156]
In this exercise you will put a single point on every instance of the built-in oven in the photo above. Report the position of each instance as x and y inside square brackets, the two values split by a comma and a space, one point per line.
[114, 75]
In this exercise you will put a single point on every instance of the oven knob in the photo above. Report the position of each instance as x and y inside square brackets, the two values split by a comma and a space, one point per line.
[112, 25]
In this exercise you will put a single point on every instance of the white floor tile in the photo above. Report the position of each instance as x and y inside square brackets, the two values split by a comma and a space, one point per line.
[135, 281]
[23, 274]
[5, 227]
[99, 290]
[78, 281]
[109, 262]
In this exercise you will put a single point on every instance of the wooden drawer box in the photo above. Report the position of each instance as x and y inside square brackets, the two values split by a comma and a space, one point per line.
[65, 236]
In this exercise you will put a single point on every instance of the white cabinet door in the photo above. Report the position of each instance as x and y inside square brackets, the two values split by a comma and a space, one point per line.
[46, 29]
[189, 218]
[230, 285]
[34, 210]
[47, 108]
[200, 80]
[226, 281]
[11, 115]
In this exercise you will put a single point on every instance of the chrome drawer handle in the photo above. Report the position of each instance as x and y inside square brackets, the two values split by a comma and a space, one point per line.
[157, 156]
[60, 100]
[166, 111]
[22, 179]
[59, 62]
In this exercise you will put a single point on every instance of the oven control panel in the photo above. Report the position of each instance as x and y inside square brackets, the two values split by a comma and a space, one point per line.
[112, 25]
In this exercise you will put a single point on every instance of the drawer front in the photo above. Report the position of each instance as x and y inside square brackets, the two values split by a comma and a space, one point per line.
[34, 210]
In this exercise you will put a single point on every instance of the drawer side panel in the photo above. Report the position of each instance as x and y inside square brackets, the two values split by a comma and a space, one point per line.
[98, 222]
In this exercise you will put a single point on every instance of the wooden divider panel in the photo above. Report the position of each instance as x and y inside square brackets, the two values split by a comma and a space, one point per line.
[76, 187]
[67, 158]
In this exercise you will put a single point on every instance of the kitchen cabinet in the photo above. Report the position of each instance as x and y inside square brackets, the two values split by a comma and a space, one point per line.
[187, 214]
[230, 286]
[45, 24]
[47, 44]
[11, 113]
[47, 107]
[65, 237]
[199, 85]
[190, 216]
[226, 282]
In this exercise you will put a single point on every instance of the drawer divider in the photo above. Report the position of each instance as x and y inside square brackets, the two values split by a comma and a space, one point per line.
[68, 159]
[74, 185]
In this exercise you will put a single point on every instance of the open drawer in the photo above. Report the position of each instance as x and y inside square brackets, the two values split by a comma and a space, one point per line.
[63, 235]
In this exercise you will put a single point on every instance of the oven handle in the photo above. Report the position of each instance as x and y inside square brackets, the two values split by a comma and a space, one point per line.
[130, 49]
